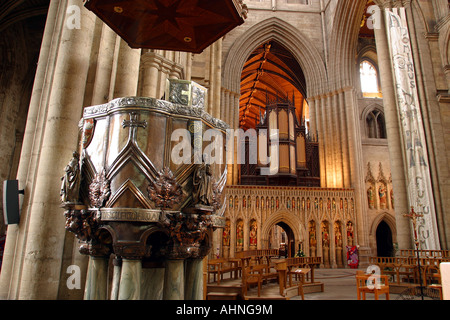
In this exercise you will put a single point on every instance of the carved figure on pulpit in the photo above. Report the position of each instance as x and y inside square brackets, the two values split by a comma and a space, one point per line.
[70, 186]
[202, 182]
[371, 197]
[382, 195]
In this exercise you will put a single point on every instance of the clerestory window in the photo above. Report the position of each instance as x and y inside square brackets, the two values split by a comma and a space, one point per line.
[369, 80]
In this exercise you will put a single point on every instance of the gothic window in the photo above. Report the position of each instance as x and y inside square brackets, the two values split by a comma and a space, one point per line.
[375, 125]
[369, 80]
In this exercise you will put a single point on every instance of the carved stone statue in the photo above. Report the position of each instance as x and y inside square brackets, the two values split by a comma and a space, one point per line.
[203, 186]
[70, 186]
[382, 195]
[371, 197]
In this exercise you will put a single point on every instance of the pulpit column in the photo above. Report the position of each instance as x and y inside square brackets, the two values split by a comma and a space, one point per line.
[117, 269]
[174, 280]
[96, 281]
[194, 279]
[130, 280]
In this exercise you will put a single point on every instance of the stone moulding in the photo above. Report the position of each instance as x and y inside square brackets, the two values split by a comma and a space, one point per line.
[152, 104]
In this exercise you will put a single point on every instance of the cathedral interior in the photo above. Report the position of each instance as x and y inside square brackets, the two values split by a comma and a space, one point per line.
[361, 114]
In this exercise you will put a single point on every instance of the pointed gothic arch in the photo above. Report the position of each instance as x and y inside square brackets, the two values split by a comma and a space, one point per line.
[302, 48]
[288, 219]
[389, 220]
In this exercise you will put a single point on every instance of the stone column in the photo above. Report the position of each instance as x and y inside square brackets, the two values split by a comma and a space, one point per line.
[232, 238]
[127, 74]
[174, 280]
[150, 77]
[16, 237]
[194, 279]
[393, 133]
[217, 71]
[103, 74]
[39, 254]
[345, 156]
[96, 281]
[130, 280]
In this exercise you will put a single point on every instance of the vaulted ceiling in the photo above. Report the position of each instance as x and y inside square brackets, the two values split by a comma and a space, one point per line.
[12, 11]
[270, 72]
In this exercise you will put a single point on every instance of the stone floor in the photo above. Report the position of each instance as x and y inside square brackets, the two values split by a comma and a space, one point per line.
[339, 284]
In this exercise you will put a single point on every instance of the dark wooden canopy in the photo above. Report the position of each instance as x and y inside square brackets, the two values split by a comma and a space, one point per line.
[179, 25]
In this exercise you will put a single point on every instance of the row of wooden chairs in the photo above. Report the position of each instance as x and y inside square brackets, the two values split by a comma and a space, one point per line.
[219, 267]
[257, 267]
[425, 253]
[407, 268]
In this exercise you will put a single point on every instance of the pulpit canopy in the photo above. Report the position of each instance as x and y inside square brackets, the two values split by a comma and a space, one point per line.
[179, 25]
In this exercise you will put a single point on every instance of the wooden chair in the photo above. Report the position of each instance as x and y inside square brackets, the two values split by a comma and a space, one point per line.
[251, 277]
[219, 267]
[372, 283]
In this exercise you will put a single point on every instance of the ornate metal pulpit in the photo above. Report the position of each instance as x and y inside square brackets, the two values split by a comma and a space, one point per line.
[131, 193]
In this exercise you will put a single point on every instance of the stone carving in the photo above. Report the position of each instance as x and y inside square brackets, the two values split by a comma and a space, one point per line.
[165, 191]
[383, 196]
[371, 197]
[226, 234]
[253, 233]
[99, 190]
[70, 187]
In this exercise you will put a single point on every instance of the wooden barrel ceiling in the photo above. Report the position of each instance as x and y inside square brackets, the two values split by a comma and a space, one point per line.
[271, 72]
